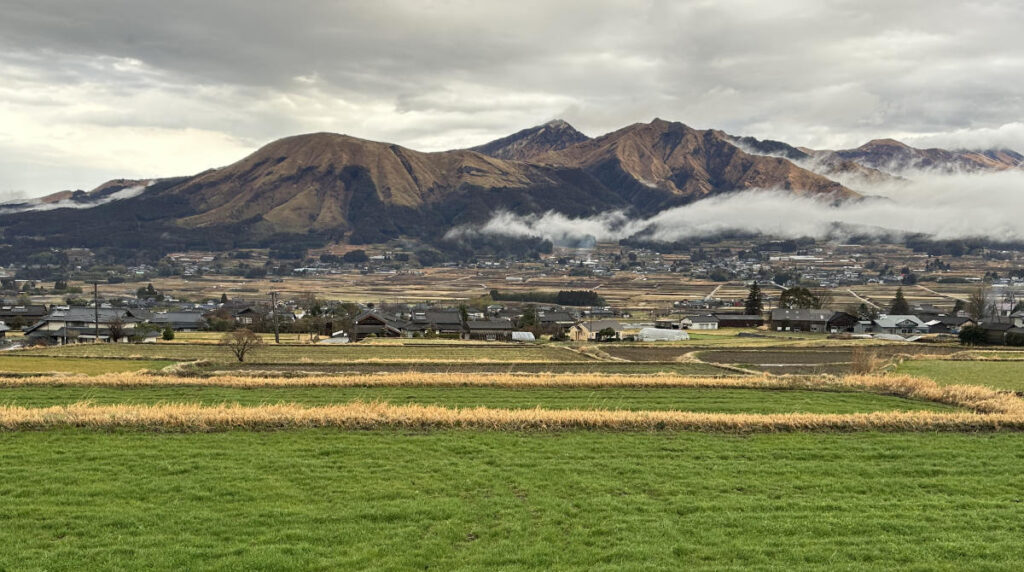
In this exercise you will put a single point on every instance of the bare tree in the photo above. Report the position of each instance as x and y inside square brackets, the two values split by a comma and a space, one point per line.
[825, 297]
[241, 342]
[979, 306]
[116, 329]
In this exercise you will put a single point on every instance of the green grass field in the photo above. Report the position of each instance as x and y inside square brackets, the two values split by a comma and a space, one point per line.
[39, 364]
[688, 399]
[1001, 375]
[469, 500]
[317, 354]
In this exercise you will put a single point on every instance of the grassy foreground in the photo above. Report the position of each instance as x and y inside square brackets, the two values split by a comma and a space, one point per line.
[79, 499]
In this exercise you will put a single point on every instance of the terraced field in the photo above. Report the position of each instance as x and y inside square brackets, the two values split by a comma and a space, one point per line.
[472, 456]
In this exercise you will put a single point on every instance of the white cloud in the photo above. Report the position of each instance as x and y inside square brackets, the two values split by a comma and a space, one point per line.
[944, 206]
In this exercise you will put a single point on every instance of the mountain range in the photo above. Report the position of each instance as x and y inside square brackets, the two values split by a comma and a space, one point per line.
[322, 187]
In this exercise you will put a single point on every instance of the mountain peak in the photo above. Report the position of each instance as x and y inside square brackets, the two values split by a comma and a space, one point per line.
[532, 142]
[881, 143]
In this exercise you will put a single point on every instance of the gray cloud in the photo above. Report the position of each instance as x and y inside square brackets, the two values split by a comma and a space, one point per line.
[442, 74]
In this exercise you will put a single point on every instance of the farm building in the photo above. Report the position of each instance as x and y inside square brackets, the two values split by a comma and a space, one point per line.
[997, 331]
[700, 323]
[489, 330]
[661, 335]
[812, 320]
[739, 320]
[179, 321]
[441, 322]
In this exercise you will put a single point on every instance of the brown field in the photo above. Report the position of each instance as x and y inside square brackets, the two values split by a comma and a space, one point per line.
[644, 296]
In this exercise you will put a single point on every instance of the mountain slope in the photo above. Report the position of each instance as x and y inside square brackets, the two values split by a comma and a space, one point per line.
[378, 191]
[894, 157]
[530, 143]
[826, 163]
[658, 164]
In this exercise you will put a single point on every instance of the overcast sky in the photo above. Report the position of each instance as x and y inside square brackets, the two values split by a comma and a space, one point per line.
[96, 89]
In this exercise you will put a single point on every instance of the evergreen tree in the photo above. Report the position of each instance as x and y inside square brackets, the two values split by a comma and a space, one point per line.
[899, 304]
[755, 301]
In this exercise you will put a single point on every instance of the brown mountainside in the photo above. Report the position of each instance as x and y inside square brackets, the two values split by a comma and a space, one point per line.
[686, 163]
[310, 181]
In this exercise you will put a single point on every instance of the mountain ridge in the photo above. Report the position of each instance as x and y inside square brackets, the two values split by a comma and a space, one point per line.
[320, 187]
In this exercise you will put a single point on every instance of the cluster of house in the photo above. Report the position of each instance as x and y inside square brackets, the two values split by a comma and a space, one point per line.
[64, 324]
[497, 324]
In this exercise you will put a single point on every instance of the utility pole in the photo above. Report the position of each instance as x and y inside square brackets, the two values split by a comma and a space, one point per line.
[96, 310]
[273, 303]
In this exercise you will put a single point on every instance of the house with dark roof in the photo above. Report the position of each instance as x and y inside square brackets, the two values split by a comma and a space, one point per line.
[179, 321]
[800, 320]
[739, 320]
[944, 323]
[440, 322]
[811, 320]
[997, 330]
[555, 318]
[488, 330]
[376, 324]
[19, 315]
[79, 324]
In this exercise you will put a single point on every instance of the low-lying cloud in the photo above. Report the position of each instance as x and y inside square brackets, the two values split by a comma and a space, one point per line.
[35, 205]
[942, 206]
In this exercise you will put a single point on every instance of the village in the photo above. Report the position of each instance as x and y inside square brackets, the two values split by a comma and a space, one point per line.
[151, 316]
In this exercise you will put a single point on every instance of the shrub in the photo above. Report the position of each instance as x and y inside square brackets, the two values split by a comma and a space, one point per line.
[972, 335]
[168, 334]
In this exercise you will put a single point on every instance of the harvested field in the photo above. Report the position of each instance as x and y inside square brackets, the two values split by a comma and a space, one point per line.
[17, 364]
[712, 400]
[989, 409]
[298, 354]
[581, 367]
[362, 416]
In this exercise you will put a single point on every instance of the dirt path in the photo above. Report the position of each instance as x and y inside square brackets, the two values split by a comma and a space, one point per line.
[862, 299]
[713, 292]
[940, 294]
